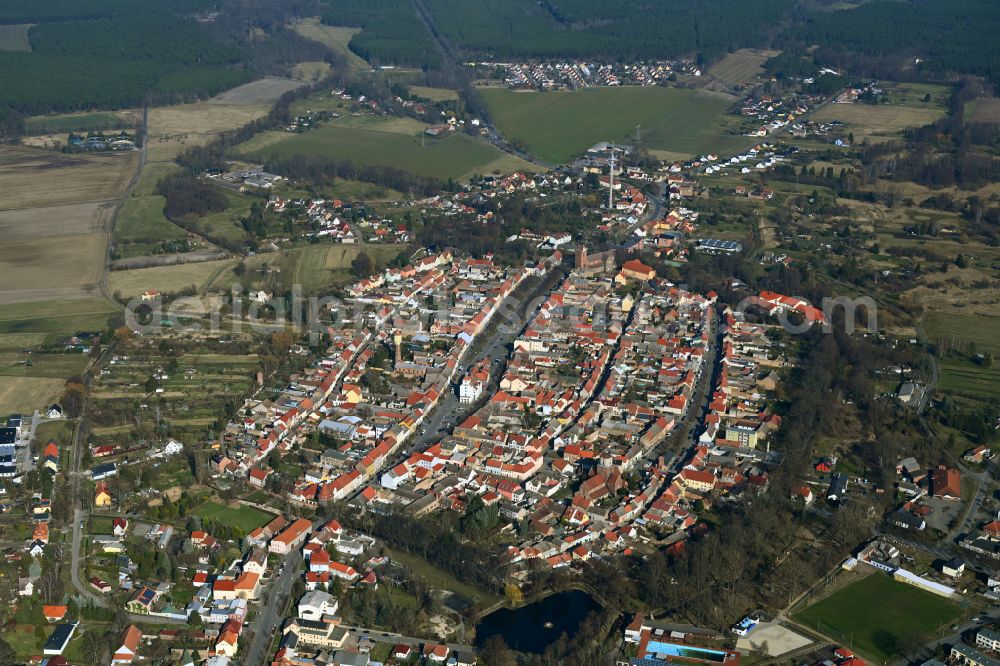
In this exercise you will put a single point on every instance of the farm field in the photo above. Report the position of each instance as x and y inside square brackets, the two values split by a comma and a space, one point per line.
[434, 94]
[54, 366]
[173, 129]
[15, 37]
[877, 610]
[55, 213]
[914, 94]
[244, 518]
[741, 66]
[26, 394]
[558, 126]
[980, 329]
[56, 316]
[962, 377]
[314, 267]
[262, 91]
[32, 178]
[375, 143]
[64, 123]
[335, 37]
[141, 226]
[878, 119]
[28, 387]
[167, 279]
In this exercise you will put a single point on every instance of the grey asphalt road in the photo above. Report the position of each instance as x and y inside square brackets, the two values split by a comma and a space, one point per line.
[270, 617]
[360, 633]
[450, 410]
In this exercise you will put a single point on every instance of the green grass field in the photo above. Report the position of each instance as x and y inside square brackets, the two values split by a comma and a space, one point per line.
[141, 226]
[966, 378]
[57, 317]
[875, 607]
[73, 122]
[380, 143]
[558, 126]
[969, 328]
[54, 366]
[245, 518]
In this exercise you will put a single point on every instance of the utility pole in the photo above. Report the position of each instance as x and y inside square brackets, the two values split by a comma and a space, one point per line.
[637, 140]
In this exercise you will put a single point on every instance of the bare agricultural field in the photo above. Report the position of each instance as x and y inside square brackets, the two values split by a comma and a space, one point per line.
[985, 110]
[56, 209]
[15, 37]
[167, 279]
[25, 394]
[262, 91]
[31, 178]
[881, 119]
[173, 129]
[60, 267]
[26, 224]
[741, 66]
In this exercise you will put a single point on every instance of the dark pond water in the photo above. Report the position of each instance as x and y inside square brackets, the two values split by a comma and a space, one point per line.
[531, 628]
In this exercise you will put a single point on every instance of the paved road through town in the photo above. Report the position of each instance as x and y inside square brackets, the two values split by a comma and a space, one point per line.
[270, 616]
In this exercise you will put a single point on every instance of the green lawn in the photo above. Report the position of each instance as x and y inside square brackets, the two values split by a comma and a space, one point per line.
[454, 156]
[244, 518]
[558, 126]
[875, 609]
[101, 525]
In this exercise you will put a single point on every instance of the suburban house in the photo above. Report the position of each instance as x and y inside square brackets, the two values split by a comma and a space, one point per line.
[946, 483]
[102, 496]
[838, 488]
[129, 647]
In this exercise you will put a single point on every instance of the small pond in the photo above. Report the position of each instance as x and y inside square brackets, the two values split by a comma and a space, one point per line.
[531, 628]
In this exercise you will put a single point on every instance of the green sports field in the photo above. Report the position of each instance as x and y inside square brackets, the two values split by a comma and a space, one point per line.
[244, 518]
[379, 142]
[558, 126]
[877, 612]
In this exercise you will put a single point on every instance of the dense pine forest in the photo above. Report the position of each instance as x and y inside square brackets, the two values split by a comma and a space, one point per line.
[116, 53]
[884, 37]
[392, 33]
